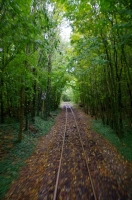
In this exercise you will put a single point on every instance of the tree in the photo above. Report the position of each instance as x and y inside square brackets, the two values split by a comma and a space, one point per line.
[101, 40]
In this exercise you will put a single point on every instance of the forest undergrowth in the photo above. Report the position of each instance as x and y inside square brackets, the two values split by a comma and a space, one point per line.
[14, 154]
[123, 145]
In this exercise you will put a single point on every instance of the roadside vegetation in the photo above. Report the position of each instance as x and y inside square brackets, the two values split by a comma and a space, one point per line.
[123, 145]
[14, 154]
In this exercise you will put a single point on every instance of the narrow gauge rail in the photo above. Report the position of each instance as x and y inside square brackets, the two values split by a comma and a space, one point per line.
[68, 108]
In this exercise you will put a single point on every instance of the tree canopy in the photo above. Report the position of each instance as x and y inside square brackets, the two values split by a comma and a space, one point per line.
[36, 64]
[101, 40]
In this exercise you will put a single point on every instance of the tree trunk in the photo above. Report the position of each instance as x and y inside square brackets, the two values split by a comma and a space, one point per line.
[26, 113]
[21, 110]
[34, 102]
[2, 102]
[48, 91]
[42, 108]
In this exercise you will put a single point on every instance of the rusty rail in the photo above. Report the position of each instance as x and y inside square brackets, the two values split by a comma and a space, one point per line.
[58, 173]
[95, 197]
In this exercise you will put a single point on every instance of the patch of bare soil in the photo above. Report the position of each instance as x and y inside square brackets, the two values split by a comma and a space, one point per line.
[111, 175]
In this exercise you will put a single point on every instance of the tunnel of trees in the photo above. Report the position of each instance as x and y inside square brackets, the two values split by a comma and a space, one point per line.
[36, 63]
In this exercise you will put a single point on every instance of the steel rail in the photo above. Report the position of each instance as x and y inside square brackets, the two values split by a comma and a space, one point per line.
[58, 173]
[95, 197]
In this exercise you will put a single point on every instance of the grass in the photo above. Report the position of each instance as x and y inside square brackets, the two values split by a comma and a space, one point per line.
[123, 145]
[13, 160]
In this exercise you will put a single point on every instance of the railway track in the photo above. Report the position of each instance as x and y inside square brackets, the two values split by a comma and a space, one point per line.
[48, 176]
[68, 147]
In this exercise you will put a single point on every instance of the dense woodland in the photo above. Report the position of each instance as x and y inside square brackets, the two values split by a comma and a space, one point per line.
[102, 41]
[36, 64]
[32, 58]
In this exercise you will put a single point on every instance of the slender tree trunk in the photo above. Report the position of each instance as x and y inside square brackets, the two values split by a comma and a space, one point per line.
[21, 110]
[2, 102]
[34, 103]
[39, 102]
[1, 89]
[42, 108]
[48, 92]
[26, 113]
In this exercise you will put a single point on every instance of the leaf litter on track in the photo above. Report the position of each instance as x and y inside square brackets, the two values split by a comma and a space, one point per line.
[111, 175]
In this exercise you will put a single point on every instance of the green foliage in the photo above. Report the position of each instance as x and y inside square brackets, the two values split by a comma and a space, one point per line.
[101, 58]
[123, 146]
[66, 98]
[15, 159]
[33, 59]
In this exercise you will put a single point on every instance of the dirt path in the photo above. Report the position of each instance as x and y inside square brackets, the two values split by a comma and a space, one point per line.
[112, 176]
